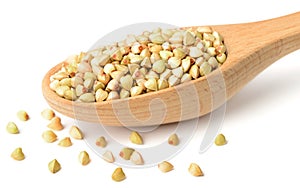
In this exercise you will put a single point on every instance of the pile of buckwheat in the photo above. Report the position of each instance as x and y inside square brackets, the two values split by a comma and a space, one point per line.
[140, 64]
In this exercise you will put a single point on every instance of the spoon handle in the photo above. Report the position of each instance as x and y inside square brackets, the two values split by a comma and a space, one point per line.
[252, 47]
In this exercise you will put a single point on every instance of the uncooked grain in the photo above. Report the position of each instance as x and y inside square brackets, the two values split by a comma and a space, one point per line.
[140, 64]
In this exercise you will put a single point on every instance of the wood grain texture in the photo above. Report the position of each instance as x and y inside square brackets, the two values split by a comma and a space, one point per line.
[252, 47]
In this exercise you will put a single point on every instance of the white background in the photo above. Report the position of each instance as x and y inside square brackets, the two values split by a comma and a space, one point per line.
[261, 122]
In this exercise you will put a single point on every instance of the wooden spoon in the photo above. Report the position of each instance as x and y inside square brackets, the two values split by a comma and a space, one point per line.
[252, 47]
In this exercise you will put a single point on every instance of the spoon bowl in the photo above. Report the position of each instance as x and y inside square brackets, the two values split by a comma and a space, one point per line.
[251, 48]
